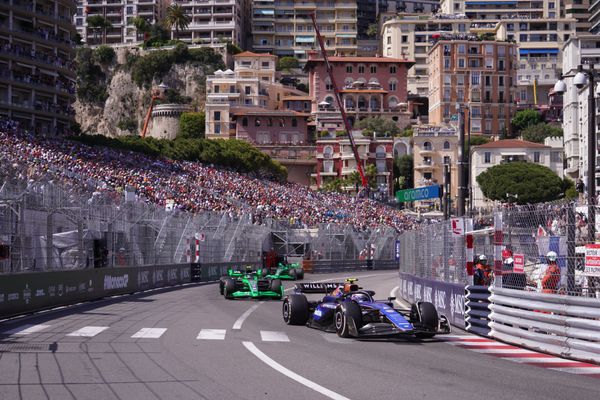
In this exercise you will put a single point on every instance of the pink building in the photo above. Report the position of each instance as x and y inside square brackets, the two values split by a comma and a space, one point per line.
[369, 86]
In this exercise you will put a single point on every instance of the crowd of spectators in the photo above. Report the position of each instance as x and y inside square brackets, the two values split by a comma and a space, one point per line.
[189, 186]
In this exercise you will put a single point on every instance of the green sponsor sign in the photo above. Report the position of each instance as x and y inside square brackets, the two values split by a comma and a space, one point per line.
[422, 193]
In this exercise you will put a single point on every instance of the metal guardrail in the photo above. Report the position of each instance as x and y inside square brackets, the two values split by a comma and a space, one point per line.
[477, 309]
[328, 266]
[567, 326]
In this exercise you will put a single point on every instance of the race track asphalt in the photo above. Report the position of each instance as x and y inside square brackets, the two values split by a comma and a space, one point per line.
[193, 352]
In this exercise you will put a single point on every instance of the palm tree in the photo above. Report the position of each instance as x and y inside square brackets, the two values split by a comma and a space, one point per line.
[141, 25]
[97, 22]
[176, 17]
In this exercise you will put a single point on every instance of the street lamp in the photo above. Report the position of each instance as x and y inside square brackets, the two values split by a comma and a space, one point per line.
[580, 79]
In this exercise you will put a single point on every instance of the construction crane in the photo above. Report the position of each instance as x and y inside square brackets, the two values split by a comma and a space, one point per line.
[156, 94]
[338, 98]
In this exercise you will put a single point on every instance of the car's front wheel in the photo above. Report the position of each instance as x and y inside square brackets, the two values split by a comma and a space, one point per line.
[427, 318]
[295, 309]
[277, 287]
[345, 314]
[229, 288]
[294, 274]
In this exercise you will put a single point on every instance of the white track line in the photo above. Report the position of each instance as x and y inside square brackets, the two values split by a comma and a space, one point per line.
[240, 321]
[274, 336]
[503, 351]
[25, 329]
[291, 374]
[212, 334]
[579, 370]
[149, 333]
[88, 331]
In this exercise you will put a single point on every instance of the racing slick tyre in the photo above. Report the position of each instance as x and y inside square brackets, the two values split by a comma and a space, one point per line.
[229, 288]
[294, 274]
[300, 274]
[295, 309]
[276, 287]
[428, 319]
[221, 286]
[344, 315]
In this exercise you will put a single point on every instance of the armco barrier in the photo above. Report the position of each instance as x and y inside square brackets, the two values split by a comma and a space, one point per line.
[28, 292]
[448, 298]
[213, 271]
[477, 309]
[329, 266]
[567, 326]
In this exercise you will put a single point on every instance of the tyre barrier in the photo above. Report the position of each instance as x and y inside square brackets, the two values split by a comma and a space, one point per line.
[566, 326]
[477, 309]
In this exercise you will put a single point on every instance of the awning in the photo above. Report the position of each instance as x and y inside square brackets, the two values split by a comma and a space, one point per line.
[345, 35]
[537, 51]
[513, 153]
[305, 39]
[485, 3]
[264, 12]
[284, 52]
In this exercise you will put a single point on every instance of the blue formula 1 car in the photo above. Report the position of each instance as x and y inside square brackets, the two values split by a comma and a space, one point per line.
[351, 311]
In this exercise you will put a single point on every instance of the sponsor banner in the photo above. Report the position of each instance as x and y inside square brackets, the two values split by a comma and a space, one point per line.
[28, 292]
[448, 298]
[592, 260]
[458, 226]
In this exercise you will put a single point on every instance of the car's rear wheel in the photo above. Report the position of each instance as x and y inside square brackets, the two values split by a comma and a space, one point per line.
[294, 273]
[221, 286]
[277, 287]
[295, 309]
[345, 314]
[229, 288]
[427, 317]
[300, 274]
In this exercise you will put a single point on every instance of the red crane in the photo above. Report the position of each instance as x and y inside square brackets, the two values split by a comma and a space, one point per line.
[156, 94]
[338, 99]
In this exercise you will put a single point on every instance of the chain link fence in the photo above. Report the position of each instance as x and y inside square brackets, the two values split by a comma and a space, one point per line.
[44, 226]
[517, 251]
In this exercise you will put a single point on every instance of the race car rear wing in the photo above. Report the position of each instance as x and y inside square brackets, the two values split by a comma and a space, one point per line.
[317, 287]
[325, 287]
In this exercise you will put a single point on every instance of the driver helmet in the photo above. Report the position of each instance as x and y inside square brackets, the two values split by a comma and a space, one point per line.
[482, 259]
[338, 291]
[359, 297]
[552, 256]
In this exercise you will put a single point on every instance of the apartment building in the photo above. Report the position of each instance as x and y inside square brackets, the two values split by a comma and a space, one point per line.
[511, 150]
[216, 21]
[539, 28]
[594, 19]
[579, 10]
[578, 50]
[369, 87]
[37, 74]
[433, 147]
[477, 74]
[284, 27]
[335, 160]
[119, 13]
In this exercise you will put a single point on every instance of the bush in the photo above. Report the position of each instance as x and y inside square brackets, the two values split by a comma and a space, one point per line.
[235, 154]
[538, 133]
[525, 118]
[128, 124]
[286, 63]
[173, 96]
[381, 126]
[191, 125]
[91, 81]
[104, 54]
[150, 66]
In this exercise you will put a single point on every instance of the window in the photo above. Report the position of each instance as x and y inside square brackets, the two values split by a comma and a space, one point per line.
[217, 89]
[489, 63]
[427, 146]
[500, 81]
[392, 69]
[536, 156]
[487, 157]
[460, 80]
[500, 65]
[257, 122]
[447, 62]
[328, 85]
[447, 80]
[461, 63]
[446, 159]
[373, 69]
[217, 116]
[389, 40]
[247, 89]
[555, 157]
[245, 121]
[348, 69]
[462, 49]
[488, 80]
[446, 145]
[475, 78]
[361, 69]
[393, 84]
[218, 129]
[404, 38]
[294, 122]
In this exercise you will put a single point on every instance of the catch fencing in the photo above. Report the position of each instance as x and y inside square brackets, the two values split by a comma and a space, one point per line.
[48, 227]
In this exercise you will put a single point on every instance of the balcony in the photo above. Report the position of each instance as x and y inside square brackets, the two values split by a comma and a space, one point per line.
[426, 150]
[424, 166]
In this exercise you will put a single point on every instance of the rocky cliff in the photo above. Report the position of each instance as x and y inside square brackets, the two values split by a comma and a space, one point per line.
[124, 100]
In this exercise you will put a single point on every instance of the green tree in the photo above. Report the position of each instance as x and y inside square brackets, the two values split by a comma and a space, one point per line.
[354, 178]
[191, 125]
[525, 118]
[177, 18]
[476, 141]
[531, 183]
[233, 49]
[104, 54]
[91, 80]
[98, 22]
[373, 30]
[287, 63]
[141, 26]
[381, 126]
[128, 124]
[539, 132]
[568, 186]
[403, 167]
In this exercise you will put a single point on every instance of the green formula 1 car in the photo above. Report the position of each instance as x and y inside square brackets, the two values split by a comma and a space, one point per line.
[287, 271]
[250, 284]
